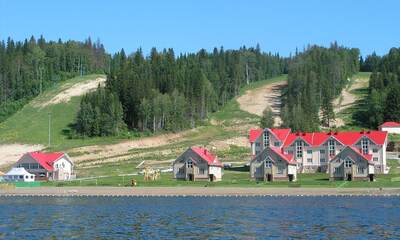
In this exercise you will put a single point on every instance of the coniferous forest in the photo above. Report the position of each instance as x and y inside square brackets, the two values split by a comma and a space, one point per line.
[163, 91]
[167, 92]
[316, 76]
[29, 67]
[383, 101]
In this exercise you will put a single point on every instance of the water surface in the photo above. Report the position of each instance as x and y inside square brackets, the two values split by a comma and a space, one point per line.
[199, 217]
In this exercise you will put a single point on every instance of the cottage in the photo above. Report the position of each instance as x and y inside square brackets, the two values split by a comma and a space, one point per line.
[197, 163]
[313, 151]
[19, 175]
[351, 164]
[390, 127]
[47, 166]
[272, 164]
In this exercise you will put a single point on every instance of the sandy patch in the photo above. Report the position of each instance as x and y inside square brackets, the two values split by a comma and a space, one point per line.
[10, 153]
[77, 89]
[347, 98]
[114, 151]
[256, 100]
[225, 144]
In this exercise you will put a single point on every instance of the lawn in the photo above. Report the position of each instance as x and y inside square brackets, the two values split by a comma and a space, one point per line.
[237, 177]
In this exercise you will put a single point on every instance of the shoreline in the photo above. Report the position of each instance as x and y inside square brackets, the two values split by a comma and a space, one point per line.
[194, 191]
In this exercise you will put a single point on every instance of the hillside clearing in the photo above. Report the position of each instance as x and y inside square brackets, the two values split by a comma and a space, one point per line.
[78, 89]
[256, 100]
[10, 153]
[349, 97]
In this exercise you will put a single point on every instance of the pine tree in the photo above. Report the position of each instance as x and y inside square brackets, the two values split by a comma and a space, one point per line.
[267, 119]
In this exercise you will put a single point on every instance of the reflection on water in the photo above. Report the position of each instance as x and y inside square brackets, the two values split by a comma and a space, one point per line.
[199, 217]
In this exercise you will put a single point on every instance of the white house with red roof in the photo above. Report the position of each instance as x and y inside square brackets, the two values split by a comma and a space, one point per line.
[351, 164]
[197, 163]
[273, 164]
[47, 166]
[313, 151]
[390, 127]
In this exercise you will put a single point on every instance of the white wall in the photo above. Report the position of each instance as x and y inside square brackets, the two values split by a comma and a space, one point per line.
[217, 171]
[391, 129]
[64, 167]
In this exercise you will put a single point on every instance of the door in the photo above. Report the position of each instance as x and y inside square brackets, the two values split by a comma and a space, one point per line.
[349, 177]
[191, 177]
[211, 176]
[269, 177]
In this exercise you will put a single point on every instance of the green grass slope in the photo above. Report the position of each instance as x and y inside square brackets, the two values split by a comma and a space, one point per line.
[30, 124]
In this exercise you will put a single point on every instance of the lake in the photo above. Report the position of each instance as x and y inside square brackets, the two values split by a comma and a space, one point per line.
[199, 217]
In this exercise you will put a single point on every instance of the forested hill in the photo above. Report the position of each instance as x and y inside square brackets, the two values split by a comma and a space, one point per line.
[29, 67]
[316, 76]
[383, 101]
[165, 92]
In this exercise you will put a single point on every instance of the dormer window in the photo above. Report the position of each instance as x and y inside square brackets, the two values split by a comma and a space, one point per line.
[364, 146]
[331, 147]
[266, 138]
[189, 163]
[268, 163]
[348, 163]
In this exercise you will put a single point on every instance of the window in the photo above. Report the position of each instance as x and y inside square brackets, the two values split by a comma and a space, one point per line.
[375, 159]
[360, 170]
[322, 160]
[257, 152]
[337, 170]
[202, 170]
[257, 144]
[266, 138]
[181, 171]
[32, 177]
[348, 163]
[299, 149]
[268, 163]
[364, 146]
[309, 160]
[375, 150]
[331, 147]
[189, 163]
[322, 151]
[280, 169]
[276, 144]
[309, 151]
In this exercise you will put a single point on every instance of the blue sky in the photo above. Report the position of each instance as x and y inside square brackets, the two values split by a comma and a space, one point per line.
[188, 25]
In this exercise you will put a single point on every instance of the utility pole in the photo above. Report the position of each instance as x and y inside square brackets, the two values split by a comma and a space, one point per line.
[49, 129]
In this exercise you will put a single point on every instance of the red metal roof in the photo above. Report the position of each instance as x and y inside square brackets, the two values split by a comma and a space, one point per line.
[46, 159]
[368, 157]
[280, 133]
[287, 157]
[207, 156]
[346, 138]
[254, 134]
[390, 124]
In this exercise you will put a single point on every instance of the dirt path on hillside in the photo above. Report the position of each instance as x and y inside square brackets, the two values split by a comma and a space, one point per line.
[348, 98]
[120, 151]
[77, 89]
[10, 153]
[256, 100]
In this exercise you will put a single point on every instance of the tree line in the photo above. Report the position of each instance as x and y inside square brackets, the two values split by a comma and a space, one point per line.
[29, 67]
[383, 100]
[316, 76]
[162, 91]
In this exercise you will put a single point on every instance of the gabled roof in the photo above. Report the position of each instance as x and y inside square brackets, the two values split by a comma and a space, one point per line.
[18, 172]
[46, 159]
[254, 134]
[367, 157]
[345, 138]
[287, 157]
[207, 156]
[390, 124]
[280, 133]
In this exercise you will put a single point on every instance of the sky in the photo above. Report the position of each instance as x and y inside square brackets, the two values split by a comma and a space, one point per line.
[188, 25]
